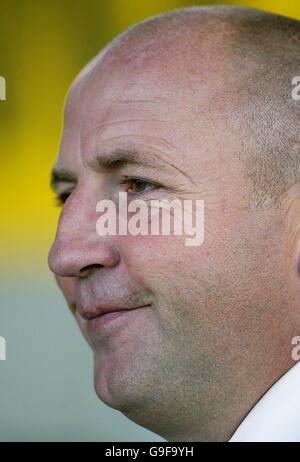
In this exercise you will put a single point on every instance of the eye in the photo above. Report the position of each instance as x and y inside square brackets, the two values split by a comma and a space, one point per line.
[61, 199]
[138, 186]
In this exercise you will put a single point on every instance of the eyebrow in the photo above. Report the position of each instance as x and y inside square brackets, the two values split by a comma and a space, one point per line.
[130, 156]
[124, 156]
[61, 175]
[108, 161]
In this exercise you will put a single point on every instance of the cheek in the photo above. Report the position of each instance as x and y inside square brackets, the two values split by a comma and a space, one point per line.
[148, 254]
[163, 263]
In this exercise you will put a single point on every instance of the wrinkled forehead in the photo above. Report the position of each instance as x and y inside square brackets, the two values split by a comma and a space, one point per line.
[178, 106]
[177, 82]
[102, 95]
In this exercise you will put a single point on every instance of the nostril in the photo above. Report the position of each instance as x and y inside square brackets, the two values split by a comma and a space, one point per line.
[86, 270]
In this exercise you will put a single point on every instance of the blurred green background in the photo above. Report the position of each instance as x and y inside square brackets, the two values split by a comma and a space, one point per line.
[46, 383]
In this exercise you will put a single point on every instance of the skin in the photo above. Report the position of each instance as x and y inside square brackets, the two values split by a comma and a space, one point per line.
[218, 331]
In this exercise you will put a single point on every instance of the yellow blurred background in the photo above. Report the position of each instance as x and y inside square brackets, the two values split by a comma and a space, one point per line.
[43, 45]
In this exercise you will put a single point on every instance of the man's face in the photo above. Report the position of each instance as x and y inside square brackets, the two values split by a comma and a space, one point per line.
[202, 311]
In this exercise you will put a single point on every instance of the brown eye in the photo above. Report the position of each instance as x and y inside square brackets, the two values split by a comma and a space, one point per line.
[137, 185]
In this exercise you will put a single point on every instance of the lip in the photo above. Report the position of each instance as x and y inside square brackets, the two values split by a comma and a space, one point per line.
[90, 312]
[105, 319]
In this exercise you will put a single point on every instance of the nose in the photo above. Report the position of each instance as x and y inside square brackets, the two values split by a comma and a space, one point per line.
[77, 247]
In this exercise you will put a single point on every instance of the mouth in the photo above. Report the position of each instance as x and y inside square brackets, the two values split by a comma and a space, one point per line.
[108, 319]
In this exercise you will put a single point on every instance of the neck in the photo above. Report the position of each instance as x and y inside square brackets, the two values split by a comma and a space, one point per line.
[187, 417]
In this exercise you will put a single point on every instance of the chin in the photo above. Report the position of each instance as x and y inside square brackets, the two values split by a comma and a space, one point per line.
[114, 393]
[122, 385]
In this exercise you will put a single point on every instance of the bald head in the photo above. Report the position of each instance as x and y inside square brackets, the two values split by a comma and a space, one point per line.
[243, 61]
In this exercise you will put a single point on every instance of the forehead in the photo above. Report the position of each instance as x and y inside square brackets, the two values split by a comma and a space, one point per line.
[104, 92]
[113, 107]
[142, 76]
[175, 112]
